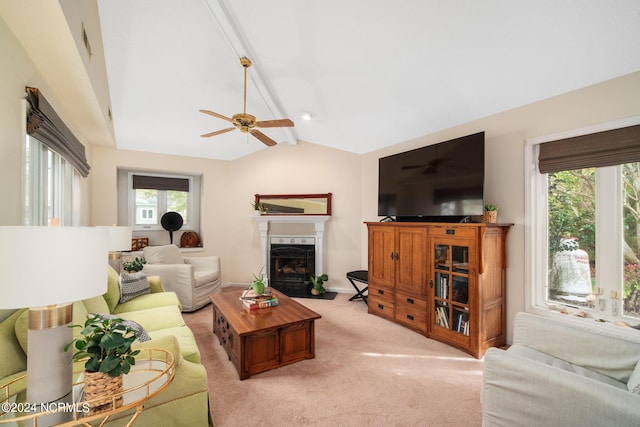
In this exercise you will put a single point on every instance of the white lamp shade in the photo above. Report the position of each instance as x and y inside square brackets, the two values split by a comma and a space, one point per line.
[42, 266]
[119, 238]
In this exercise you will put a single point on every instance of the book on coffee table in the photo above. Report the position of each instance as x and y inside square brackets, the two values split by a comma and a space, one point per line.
[254, 301]
[249, 294]
[264, 303]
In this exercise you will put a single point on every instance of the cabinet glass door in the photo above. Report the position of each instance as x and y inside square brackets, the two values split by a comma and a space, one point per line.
[451, 288]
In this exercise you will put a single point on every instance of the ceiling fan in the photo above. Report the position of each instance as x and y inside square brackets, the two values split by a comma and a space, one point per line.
[247, 123]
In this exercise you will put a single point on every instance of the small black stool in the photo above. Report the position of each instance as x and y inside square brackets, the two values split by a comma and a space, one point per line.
[361, 276]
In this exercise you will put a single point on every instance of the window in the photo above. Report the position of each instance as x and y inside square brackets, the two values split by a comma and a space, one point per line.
[583, 245]
[51, 187]
[149, 195]
[54, 161]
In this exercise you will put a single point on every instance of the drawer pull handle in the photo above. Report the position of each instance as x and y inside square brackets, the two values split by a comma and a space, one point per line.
[409, 316]
[381, 307]
[451, 231]
[380, 291]
[410, 300]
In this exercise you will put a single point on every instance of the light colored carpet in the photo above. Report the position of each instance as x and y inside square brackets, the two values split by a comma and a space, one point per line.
[367, 372]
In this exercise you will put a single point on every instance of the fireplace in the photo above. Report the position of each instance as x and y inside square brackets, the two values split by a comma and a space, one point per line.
[291, 262]
[317, 241]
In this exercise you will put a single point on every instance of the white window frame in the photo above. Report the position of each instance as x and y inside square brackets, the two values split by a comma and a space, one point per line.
[62, 195]
[609, 231]
[189, 222]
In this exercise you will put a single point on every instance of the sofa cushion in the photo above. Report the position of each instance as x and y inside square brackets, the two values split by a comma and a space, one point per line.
[143, 302]
[188, 346]
[13, 359]
[538, 356]
[133, 285]
[155, 284]
[634, 381]
[155, 319]
[167, 254]
[112, 297]
[96, 304]
[603, 347]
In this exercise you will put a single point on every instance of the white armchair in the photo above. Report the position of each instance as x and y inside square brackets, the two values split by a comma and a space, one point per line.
[193, 279]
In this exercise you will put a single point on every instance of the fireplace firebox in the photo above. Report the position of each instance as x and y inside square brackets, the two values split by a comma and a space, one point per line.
[292, 262]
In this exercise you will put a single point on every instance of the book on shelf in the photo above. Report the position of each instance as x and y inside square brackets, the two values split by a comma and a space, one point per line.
[442, 317]
[443, 288]
[462, 323]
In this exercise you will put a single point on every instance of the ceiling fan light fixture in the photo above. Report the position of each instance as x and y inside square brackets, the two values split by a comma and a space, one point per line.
[306, 115]
[247, 123]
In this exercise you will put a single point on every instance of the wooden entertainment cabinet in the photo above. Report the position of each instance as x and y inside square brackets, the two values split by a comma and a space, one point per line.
[445, 281]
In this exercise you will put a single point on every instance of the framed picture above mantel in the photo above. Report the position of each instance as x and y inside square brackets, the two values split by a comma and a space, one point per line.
[293, 204]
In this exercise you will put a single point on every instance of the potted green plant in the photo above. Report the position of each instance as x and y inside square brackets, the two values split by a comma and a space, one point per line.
[490, 213]
[258, 284]
[258, 208]
[318, 284]
[133, 266]
[106, 344]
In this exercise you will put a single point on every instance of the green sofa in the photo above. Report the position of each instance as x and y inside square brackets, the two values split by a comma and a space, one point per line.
[184, 403]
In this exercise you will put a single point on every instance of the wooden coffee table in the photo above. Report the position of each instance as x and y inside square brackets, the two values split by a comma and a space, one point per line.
[266, 338]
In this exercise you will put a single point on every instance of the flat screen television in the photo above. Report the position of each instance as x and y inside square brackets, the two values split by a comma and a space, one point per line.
[440, 182]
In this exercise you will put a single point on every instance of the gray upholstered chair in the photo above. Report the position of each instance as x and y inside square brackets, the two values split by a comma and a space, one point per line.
[193, 279]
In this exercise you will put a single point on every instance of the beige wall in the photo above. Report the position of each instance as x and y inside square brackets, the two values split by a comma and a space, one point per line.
[11, 133]
[228, 228]
[17, 71]
[505, 135]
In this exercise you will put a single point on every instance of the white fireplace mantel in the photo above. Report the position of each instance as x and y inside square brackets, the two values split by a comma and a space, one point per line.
[317, 220]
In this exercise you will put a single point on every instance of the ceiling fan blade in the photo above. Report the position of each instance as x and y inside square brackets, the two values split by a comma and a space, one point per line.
[263, 138]
[280, 123]
[220, 116]
[218, 132]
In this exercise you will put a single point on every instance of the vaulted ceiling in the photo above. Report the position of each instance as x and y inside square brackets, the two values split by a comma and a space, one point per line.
[371, 73]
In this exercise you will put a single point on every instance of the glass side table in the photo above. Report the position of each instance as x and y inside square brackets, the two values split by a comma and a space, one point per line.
[153, 372]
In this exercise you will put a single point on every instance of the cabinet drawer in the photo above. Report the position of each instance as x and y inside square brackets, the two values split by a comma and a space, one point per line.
[380, 291]
[381, 304]
[411, 312]
[453, 231]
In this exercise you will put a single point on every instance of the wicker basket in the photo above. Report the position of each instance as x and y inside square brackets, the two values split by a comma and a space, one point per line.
[99, 391]
[490, 217]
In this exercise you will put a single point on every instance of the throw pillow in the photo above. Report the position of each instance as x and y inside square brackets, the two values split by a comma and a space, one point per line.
[634, 380]
[141, 333]
[133, 285]
[167, 254]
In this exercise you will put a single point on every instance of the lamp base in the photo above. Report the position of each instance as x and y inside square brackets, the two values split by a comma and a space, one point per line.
[49, 367]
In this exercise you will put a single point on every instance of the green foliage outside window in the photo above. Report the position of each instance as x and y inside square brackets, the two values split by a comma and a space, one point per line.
[572, 207]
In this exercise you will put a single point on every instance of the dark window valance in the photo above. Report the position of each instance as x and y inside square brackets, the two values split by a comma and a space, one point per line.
[44, 124]
[148, 182]
[608, 148]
